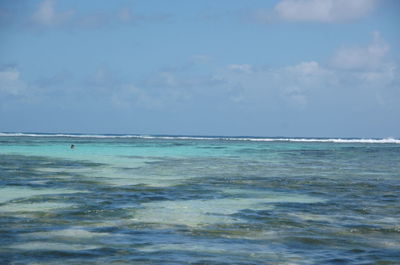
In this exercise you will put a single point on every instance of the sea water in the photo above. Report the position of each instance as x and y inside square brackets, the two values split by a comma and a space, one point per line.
[129, 199]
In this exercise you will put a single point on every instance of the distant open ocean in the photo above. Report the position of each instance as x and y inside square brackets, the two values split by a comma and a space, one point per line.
[137, 199]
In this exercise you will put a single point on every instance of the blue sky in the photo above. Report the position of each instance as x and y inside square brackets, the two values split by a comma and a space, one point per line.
[325, 68]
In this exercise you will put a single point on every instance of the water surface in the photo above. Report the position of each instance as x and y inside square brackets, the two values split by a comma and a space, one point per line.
[201, 200]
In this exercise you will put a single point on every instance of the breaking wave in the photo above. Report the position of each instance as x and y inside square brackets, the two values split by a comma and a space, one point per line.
[223, 138]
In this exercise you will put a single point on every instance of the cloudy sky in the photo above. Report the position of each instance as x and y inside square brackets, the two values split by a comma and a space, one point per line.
[327, 68]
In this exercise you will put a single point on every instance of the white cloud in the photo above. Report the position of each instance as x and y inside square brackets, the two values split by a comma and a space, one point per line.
[306, 69]
[271, 88]
[318, 10]
[10, 81]
[307, 83]
[371, 56]
[303, 78]
[46, 14]
[383, 76]
[241, 68]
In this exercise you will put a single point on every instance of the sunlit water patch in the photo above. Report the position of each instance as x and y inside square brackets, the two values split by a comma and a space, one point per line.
[73, 233]
[204, 200]
[12, 192]
[32, 207]
[51, 246]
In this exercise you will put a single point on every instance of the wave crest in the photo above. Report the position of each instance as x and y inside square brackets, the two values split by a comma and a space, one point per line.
[222, 138]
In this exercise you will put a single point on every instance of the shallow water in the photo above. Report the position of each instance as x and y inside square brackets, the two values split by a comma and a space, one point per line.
[174, 200]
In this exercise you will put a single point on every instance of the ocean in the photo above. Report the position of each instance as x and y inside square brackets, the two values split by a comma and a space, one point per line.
[136, 199]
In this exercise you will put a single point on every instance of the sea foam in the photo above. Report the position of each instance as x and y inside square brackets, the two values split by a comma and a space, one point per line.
[388, 140]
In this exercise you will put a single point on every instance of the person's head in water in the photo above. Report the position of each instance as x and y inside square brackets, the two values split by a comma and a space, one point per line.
[72, 146]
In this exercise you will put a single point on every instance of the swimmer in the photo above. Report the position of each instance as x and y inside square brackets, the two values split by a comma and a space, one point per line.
[72, 146]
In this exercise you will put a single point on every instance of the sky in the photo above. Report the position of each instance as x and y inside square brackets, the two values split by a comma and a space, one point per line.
[295, 68]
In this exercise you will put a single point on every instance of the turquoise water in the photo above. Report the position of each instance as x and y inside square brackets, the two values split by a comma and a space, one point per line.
[204, 200]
